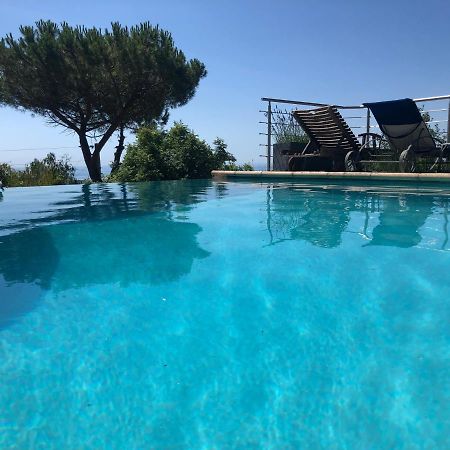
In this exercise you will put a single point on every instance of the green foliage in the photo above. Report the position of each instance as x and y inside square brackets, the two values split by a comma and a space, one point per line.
[222, 156]
[6, 172]
[224, 160]
[435, 131]
[171, 155]
[45, 172]
[143, 160]
[93, 81]
[186, 155]
[286, 129]
[238, 167]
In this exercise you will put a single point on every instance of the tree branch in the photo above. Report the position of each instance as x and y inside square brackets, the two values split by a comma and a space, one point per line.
[64, 120]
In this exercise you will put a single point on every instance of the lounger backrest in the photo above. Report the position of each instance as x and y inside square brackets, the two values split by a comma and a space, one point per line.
[327, 129]
[402, 124]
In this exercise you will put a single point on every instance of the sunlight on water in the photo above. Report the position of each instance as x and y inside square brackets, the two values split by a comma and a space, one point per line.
[195, 314]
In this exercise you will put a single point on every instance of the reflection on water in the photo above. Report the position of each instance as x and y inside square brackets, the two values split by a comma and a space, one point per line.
[400, 220]
[28, 257]
[148, 250]
[156, 316]
[321, 215]
[148, 224]
[141, 233]
[27, 263]
[30, 207]
[121, 234]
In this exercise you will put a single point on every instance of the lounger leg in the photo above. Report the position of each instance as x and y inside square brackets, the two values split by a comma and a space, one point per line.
[441, 156]
[407, 160]
[351, 161]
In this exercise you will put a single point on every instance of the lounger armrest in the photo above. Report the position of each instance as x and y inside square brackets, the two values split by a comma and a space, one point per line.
[371, 140]
[373, 135]
[445, 149]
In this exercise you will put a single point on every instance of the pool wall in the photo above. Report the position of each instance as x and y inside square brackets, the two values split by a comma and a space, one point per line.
[373, 176]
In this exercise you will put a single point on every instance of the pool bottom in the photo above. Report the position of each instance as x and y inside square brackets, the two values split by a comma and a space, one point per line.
[195, 327]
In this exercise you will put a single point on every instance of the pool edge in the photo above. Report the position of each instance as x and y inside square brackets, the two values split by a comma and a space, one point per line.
[379, 176]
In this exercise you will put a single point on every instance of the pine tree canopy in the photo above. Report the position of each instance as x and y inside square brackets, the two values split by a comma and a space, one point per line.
[96, 82]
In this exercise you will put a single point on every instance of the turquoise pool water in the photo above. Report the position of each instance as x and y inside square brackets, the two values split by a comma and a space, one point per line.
[207, 315]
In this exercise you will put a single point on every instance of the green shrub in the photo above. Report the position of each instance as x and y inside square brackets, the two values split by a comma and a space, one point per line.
[237, 167]
[45, 172]
[286, 129]
[5, 174]
[171, 155]
[143, 160]
[222, 156]
[186, 155]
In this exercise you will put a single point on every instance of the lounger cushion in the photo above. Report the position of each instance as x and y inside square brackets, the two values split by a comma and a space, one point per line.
[403, 125]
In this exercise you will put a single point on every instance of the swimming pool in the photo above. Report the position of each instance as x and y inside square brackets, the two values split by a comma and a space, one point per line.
[197, 314]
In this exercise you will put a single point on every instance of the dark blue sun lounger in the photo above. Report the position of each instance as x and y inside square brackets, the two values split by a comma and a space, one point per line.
[407, 133]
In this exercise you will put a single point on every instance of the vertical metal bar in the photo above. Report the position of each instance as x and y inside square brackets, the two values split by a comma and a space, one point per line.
[448, 122]
[269, 215]
[367, 126]
[269, 134]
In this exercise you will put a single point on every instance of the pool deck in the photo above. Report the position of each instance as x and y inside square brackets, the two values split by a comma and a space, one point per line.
[368, 176]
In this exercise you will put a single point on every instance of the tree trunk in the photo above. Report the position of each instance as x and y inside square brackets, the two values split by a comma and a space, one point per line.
[95, 170]
[92, 161]
[118, 153]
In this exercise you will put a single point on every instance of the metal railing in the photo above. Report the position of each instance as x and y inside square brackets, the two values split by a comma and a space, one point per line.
[361, 122]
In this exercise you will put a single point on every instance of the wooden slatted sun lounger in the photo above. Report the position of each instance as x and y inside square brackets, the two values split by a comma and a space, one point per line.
[330, 140]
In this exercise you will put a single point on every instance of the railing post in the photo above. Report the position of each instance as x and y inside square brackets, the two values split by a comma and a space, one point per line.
[448, 122]
[366, 138]
[269, 134]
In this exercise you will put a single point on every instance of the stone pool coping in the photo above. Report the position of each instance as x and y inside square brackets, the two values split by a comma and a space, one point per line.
[381, 176]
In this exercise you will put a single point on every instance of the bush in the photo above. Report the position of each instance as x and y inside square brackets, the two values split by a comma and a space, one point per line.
[45, 172]
[286, 129]
[143, 160]
[186, 155]
[5, 174]
[237, 167]
[171, 155]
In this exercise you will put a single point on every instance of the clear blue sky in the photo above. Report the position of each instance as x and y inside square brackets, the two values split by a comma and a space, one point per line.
[328, 51]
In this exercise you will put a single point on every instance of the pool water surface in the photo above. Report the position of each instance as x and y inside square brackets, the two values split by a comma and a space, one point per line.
[201, 315]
